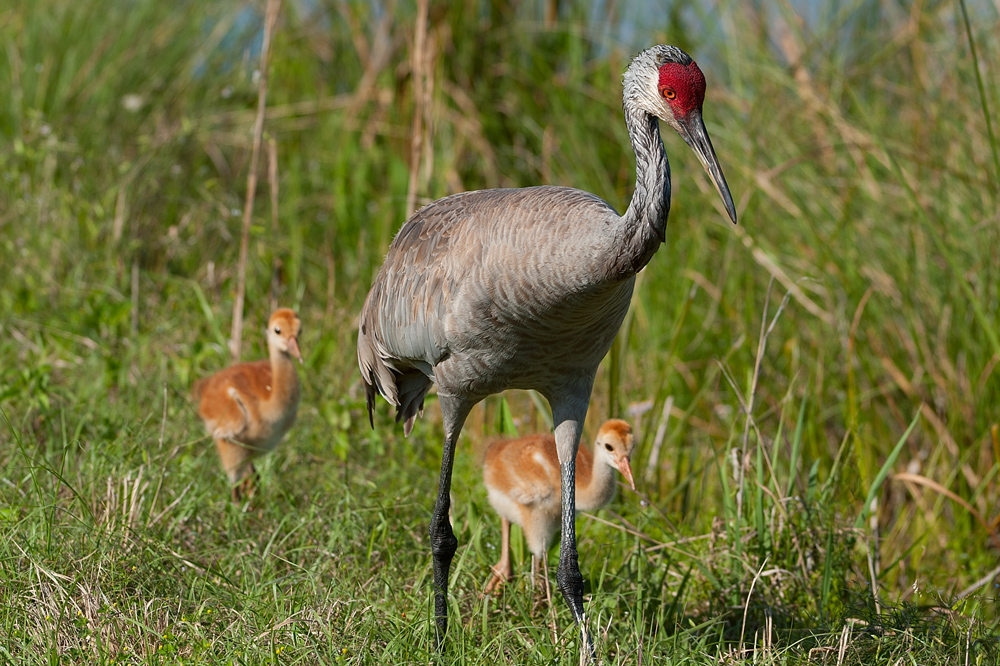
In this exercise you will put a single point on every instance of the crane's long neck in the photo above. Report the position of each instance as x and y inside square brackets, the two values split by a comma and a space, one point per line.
[645, 221]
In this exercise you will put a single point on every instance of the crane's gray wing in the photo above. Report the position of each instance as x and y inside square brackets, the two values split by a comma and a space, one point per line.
[401, 335]
[491, 244]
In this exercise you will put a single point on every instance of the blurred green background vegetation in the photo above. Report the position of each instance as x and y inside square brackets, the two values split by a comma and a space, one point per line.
[860, 142]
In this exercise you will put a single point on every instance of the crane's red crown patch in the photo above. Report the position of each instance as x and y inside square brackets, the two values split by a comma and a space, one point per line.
[687, 82]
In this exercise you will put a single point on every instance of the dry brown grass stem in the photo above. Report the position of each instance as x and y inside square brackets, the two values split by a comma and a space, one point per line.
[661, 432]
[163, 422]
[873, 578]
[367, 127]
[357, 31]
[551, 13]
[852, 403]
[239, 118]
[978, 584]
[288, 620]
[272, 177]
[746, 605]
[910, 390]
[748, 403]
[418, 68]
[121, 209]
[818, 107]
[80, 339]
[170, 506]
[918, 479]
[656, 545]
[331, 278]
[845, 640]
[466, 121]
[134, 327]
[374, 56]
[995, 438]
[271, 19]
[772, 267]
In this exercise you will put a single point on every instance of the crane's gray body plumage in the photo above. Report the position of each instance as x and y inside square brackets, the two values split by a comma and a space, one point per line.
[511, 288]
[497, 289]
[519, 288]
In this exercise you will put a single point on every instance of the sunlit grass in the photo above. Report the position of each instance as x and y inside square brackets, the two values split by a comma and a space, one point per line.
[857, 148]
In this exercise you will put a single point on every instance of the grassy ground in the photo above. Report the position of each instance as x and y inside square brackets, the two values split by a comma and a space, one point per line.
[851, 518]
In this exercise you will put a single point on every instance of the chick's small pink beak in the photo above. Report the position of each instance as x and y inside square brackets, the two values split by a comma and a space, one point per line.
[626, 470]
[293, 349]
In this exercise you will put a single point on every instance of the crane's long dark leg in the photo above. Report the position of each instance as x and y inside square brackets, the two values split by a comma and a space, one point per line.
[443, 542]
[569, 416]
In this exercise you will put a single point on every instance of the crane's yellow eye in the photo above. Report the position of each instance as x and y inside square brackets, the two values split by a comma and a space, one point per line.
[669, 94]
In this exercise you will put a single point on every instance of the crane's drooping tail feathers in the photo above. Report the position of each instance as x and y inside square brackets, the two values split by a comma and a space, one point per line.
[405, 390]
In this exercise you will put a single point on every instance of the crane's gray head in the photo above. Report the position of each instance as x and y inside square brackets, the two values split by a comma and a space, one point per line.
[665, 82]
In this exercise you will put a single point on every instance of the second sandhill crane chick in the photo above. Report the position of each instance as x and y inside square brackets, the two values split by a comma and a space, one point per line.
[247, 408]
[523, 483]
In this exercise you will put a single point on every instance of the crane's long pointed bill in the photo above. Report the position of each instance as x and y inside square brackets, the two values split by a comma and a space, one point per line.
[697, 137]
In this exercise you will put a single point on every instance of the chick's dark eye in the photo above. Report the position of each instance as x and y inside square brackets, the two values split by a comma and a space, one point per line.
[277, 329]
[607, 446]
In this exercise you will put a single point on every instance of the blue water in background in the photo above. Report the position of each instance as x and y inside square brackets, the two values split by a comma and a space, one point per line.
[638, 23]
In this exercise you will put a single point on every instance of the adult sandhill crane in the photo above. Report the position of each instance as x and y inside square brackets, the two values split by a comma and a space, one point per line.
[526, 288]
[247, 408]
[522, 482]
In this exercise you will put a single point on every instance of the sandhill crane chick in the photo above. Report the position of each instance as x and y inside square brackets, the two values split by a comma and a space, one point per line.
[247, 408]
[522, 479]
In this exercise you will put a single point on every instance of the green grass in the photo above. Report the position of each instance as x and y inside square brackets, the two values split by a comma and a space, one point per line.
[860, 151]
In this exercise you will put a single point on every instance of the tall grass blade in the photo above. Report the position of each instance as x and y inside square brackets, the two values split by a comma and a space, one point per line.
[884, 472]
[827, 583]
[957, 268]
[541, 407]
[206, 310]
[236, 338]
[793, 462]
[615, 375]
[982, 99]
[505, 420]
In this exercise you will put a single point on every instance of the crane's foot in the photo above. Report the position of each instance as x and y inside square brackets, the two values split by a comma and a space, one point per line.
[443, 545]
[570, 582]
